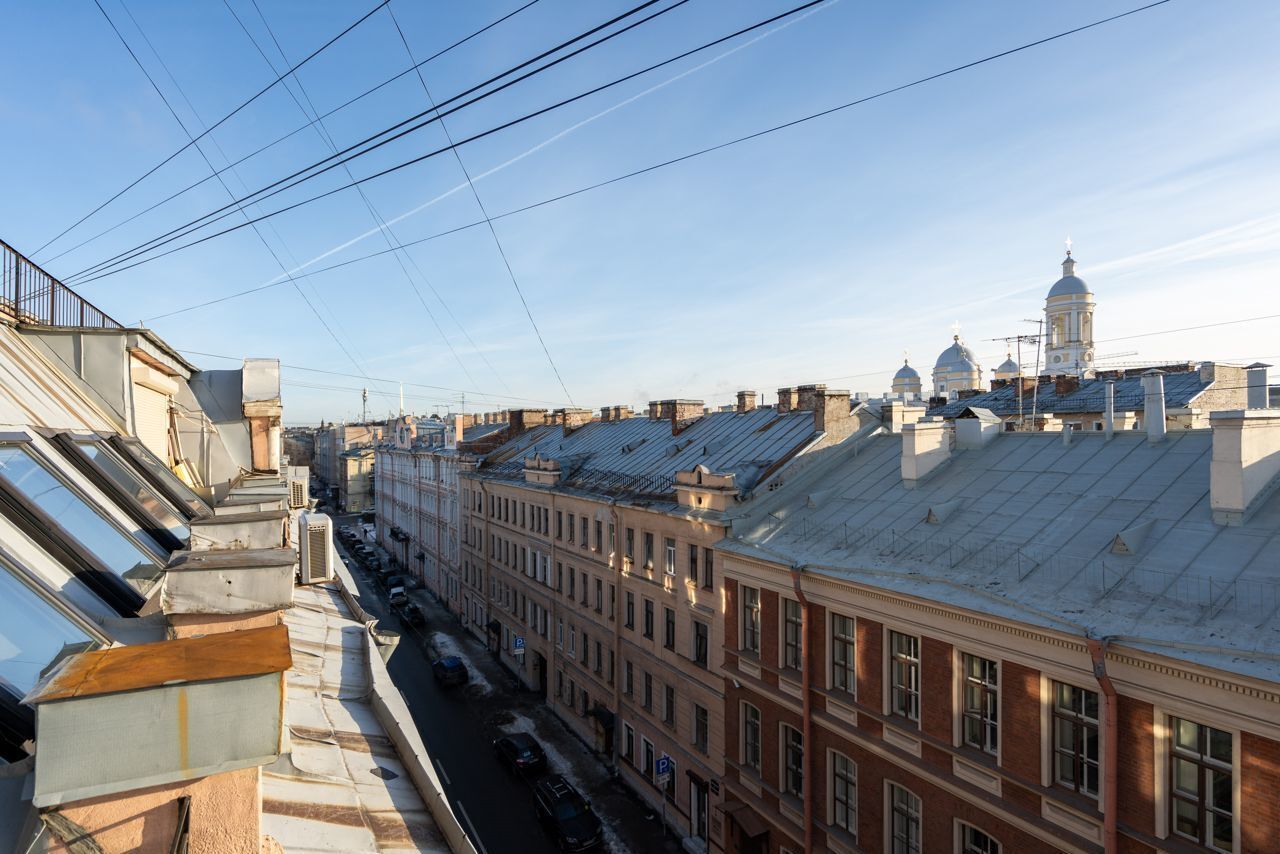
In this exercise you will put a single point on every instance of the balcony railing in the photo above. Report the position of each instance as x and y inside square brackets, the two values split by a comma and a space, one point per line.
[28, 294]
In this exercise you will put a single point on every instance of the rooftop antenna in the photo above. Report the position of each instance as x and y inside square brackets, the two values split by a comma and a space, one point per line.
[402, 400]
[1016, 341]
[364, 406]
[1035, 390]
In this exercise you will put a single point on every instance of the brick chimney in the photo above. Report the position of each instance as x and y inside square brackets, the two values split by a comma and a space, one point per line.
[747, 401]
[522, 420]
[1065, 385]
[656, 412]
[786, 400]
[572, 419]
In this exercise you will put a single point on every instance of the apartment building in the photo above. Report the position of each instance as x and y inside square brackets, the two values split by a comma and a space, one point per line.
[334, 440]
[953, 638]
[164, 683]
[416, 492]
[587, 565]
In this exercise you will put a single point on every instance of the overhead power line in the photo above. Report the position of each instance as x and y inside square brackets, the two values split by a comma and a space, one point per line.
[311, 123]
[118, 263]
[492, 231]
[675, 160]
[205, 157]
[193, 140]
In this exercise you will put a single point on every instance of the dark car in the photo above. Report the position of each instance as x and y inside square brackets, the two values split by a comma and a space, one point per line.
[394, 581]
[521, 752]
[412, 614]
[449, 670]
[566, 815]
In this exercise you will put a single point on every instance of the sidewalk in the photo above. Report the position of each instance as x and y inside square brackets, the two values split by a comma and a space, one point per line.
[505, 707]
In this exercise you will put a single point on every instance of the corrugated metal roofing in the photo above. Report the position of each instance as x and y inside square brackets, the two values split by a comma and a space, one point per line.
[1032, 537]
[1179, 390]
[745, 443]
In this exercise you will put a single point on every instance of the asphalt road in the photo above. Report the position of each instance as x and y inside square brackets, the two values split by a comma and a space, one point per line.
[495, 806]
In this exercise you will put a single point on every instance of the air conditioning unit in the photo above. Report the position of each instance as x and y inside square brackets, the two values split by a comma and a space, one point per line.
[299, 492]
[315, 547]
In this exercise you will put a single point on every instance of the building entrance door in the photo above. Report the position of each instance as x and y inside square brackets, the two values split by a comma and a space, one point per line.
[698, 808]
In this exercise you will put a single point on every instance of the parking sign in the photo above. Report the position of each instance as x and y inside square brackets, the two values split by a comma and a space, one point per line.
[663, 767]
[517, 645]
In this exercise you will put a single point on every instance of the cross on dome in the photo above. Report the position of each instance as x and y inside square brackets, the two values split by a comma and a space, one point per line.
[1068, 244]
[955, 329]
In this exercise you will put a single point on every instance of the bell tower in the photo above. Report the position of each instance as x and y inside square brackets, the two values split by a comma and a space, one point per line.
[1068, 327]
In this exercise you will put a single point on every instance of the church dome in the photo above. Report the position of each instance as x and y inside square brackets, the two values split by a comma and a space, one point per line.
[1070, 284]
[951, 359]
[906, 372]
[1009, 367]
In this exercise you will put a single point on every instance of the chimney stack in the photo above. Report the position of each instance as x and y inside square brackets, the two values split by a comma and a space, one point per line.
[786, 400]
[1109, 414]
[1153, 406]
[746, 401]
[1065, 384]
[1257, 382]
[925, 446]
[1245, 467]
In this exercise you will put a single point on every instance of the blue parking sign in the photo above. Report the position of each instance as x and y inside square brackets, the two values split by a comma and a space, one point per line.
[517, 645]
[663, 767]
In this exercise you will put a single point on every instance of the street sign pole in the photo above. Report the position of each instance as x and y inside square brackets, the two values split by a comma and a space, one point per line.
[664, 767]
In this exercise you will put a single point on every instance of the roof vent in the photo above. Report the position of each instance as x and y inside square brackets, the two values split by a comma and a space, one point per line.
[817, 499]
[940, 513]
[1129, 541]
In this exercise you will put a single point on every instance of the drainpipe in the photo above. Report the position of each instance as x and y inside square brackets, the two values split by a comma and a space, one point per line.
[618, 600]
[806, 711]
[1098, 652]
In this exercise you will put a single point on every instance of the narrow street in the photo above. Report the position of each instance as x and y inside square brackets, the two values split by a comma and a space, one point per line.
[458, 726]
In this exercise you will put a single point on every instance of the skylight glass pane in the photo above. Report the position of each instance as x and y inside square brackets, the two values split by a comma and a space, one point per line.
[32, 633]
[118, 471]
[143, 457]
[98, 536]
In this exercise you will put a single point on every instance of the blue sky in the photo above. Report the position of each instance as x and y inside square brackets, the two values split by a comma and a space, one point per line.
[819, 253]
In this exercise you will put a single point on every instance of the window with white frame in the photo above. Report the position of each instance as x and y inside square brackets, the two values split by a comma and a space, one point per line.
[1075, 738]
[904, 821]
[1200, 784]
[843, 647]
[975, 841]
[670, 565]
[751, 737]
[981, 703]
[904, 676]
[750, 619]
[792, 623]
[700, 728]
[844, 794]
[792, 761]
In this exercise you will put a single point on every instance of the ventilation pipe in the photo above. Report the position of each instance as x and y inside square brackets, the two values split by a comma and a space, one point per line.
[1153, 406]
[1098, 652]
[806, 712]
[1109, 414]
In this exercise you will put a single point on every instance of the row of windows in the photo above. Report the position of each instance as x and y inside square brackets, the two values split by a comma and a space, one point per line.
[699, 632]
[1200, 766]
[699, 719]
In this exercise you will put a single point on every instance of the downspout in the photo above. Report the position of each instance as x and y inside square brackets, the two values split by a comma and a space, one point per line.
[1098, 652]
[619, 597]
[807, 711]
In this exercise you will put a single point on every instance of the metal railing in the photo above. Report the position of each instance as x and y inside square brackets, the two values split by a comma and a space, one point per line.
[600, 481]
[28, 294]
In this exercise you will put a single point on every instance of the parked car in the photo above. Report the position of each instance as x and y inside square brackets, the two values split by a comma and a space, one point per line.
[449, 670]
[397, 596]
[411, 614]
[395, 580]
[521, 753]
[566, 815]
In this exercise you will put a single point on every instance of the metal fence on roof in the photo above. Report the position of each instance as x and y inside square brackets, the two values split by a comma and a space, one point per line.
[599, 481]
[31, 295]
[1087, 578]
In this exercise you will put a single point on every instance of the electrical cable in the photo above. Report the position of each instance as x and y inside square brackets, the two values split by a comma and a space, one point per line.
[182, 125]
[492, 231]
[293, 132]
[118, 263]
[675, 160]
[261, 92]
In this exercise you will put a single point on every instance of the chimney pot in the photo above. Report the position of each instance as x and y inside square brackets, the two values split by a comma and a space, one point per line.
[1153, 405]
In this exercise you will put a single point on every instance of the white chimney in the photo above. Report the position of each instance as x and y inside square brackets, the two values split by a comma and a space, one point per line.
[1153, 406]
[1245, 468]
[1256, 375]
[1109, 414]
[925, 446]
